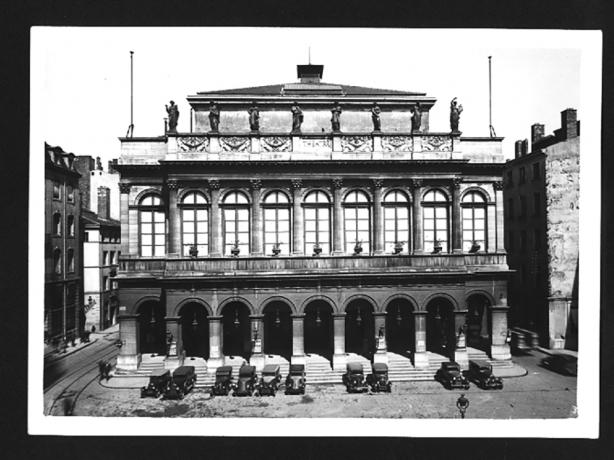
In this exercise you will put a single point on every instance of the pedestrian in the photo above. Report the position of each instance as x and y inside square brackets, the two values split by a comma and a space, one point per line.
[462, 404]
[93, 328]
[73, 339]
[101, 368]
[107, 371]
[67, 406]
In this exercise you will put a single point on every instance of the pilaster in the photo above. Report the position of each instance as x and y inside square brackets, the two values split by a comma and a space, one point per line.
[421, 359]
[499, 349]
[297, 218]
[378, 228]
[457, 241]
[298, 339]
[216, 219]
[256, 249]
[338, 226]
[129, 357]
[500, 215]
[124, 197]
[418, 223]
[216, 357]
[174, 242]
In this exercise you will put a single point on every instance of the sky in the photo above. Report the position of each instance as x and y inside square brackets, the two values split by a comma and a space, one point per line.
[82, 75]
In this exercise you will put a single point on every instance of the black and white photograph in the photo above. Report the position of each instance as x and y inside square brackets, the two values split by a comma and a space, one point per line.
[325, 229]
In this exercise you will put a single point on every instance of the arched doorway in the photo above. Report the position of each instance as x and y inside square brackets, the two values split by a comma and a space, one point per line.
[440, 328]
[400, 327]
[195, 330]
[478, 321]
[319, 329]
[360, 328]
[152, 328]
[278, 329]
[236, 330]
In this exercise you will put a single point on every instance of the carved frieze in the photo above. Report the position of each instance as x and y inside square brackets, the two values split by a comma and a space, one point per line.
[234, 144]
[256, 184]
[297, 183]
[378, 183]
[276, 144]
[499, 185]
[337, 183]
[214, 184]
[436, 143]
[456, 182]
[193, 144]
[124, 188]
[172, 184]
[356, 144]
[397, 143]
[316, 144]
[416, 183]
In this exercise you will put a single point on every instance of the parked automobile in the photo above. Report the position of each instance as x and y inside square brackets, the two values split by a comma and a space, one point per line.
[247, 381]
[561, 363]
[378, 380]
[296, 380]
[184, 379]
[450, 376]
[480, 372]
[158, 382]
[223, 381]
[269, 382]
[353, 379]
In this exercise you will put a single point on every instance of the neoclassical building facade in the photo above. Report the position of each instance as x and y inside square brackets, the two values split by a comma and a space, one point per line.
[311, 219]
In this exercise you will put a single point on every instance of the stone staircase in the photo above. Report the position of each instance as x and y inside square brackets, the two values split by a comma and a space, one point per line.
[319, 370]
[474, 353]
[284, 364]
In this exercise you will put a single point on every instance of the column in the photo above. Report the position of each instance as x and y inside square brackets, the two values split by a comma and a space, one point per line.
[421, 359]
[175, 355]
[457, 240]
[417, 223]
[499, 349]
[298, 339]
[174, 229]
[256, 230]
[491, 226]
[500, 215]
[216, 357]
[339, 358]
[461, 355]
[257, 328]
[338, 248]
[129, 357]
[297, 218]
[381, 349]
[378, 228]
[216, 220]
[124, 190]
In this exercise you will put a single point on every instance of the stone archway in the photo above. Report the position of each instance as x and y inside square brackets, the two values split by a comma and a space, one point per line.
[236, 330]
[195, 329]
[360, 328]
[400, 327]
[152, 328]
[478, 321]
[278, 329]
[319, 329]
[440, 327]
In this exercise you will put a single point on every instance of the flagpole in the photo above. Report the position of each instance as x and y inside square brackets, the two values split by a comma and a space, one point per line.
[131, 127]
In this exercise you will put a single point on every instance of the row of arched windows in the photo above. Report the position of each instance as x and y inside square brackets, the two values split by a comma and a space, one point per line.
[317, 214]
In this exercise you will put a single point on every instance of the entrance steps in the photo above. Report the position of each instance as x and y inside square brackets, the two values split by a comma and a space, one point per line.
[318, 369]
[474, 353]
[284, 364]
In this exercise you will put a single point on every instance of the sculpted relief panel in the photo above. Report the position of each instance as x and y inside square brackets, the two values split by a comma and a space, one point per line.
[397, 143]
[436, 143]
[193, 144]
[356, 144]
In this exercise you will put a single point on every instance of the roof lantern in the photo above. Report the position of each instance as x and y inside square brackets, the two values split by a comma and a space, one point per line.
[310, 73]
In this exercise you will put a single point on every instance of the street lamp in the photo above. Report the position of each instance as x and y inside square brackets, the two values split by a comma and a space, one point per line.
[358, 318]
[399, 315]
[236, 322]
[277, 321]
[318, 320]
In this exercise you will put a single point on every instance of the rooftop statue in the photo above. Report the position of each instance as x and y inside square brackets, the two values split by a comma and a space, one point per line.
[416, 118]
[173, 116]
[455, 111]
[375, 116]
[254, 117]
[214, 117]
[336, 119]
[297, 118]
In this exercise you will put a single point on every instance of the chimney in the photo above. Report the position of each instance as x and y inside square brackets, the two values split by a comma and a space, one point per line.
[518, 149]
[569, 123]
[98, 164]
[525, 147]
[112, 169]
[310, 73]
[104, 202]
[537, 133]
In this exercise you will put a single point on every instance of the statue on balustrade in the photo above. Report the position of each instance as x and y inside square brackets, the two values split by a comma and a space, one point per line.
[297, 118]
[375, 116]
[254, 117]
[214, 117]
[455, 111]
[416, 118]
[173, 116]
[336, 119]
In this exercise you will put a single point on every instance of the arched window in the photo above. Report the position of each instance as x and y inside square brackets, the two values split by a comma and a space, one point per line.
[152, 226]
[436, 224]
[70, 225]
[195, 223]
[357, 221]
[57, 261]
[474, 220]
[57, 223]
[70, 260]
[317, 221]
[236, 222]
[276, 223]
[396, 220]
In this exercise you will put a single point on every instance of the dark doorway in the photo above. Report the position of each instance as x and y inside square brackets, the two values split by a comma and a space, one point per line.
[319, 329]
[236, 330]
[195, 330]
[478, 322]
[278, 329]
[360, 328]
[152, 328]
[440, 327]
[400, 327]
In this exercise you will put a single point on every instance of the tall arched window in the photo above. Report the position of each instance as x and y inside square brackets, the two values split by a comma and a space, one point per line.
[317, 221]
[152, 226]
[357, 221]
[195, 223]
[236, 222]
[70, 225]
[57, 223]
[436, 225]
[396, 220]
[57, 261]
[70, 261]
[276, 222]
[474, 220]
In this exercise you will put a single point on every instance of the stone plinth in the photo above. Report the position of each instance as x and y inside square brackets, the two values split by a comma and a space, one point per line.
[129, 357]
[298, 340]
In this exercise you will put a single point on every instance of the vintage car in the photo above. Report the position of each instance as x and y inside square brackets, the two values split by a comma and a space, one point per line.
[561, 363]
[184, 379]
[353, 379]
[480, 372]
[269, 382]
[247, 381]
[378, 380]
[296, 380]
[450, 376]
[223, 381]
[158, 382]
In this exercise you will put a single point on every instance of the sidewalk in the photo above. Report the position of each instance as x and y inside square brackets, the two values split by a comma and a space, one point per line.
[53, 354]
[510, 372]
[562, 351]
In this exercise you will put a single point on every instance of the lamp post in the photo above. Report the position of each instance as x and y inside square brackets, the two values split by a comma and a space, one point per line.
[152, 323]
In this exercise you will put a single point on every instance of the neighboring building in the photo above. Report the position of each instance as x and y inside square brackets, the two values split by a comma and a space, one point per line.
[542, 226]
[92, 178]
[101, 250]
[240, 238]
[63, 246]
